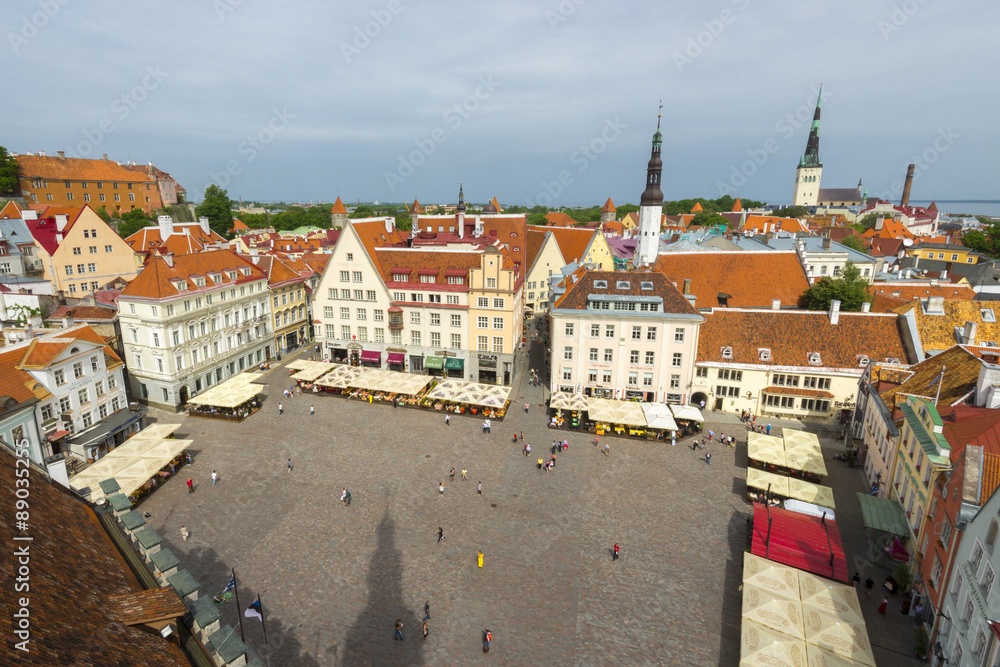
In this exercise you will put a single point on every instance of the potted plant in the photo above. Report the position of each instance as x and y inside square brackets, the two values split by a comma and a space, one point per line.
[921, 641]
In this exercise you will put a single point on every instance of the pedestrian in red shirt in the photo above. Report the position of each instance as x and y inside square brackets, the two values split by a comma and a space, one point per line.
[190, 485]
[615, 556]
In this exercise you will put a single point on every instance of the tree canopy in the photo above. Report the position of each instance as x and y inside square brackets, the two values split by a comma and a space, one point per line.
[132, 222]
[707, 219]
[850, 288]
[855, 243]
[986, 241]
[218, 208]
[10, 170]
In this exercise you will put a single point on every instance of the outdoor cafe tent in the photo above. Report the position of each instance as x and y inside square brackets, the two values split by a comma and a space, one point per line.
[765, 448]
[759, 479]
[299, 364]
[628, 413]
[775, 611]
[771, 576]
[658, 416]
[564, 400]
[761, 645]
[799, 540]
[314, 371]
[802, 451]
[687, 412]
[829, 597]
[131, 464]
[811, 493]
[158, 431]
[849, 640]
[446, 389]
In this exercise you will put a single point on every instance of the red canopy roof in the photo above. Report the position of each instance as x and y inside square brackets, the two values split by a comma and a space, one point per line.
[800, 541]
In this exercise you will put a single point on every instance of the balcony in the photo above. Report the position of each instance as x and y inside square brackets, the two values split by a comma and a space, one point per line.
[395, 321]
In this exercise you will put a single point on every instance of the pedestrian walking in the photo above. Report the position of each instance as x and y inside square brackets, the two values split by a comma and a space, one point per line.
[539, 464]
[479, 558]
[281, 409]
[489, 425]
[711, 434]
[427, 610]
[694, 444]
[708, 458]
[312, 410]
[856, 580]
[447, 420]
[288, 465]
[479, 489]
[187, 458]
[607, 449]
[440, 533]
[395, 404]
[526, 408]
[521, 435]
[215, 477]
[614, 555]
[527, 450]
[424, 630]
[184, 533]
[465, 474]
[452, 474]
[347, 500]
[399, 630]
[484, 426]
[441, 489]
[869, 584]
[487, 640]
[885, 603]
[190, 484]
[769, 429]
[343, 496]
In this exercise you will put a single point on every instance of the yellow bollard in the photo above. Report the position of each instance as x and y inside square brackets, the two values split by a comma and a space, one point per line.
[480, 559]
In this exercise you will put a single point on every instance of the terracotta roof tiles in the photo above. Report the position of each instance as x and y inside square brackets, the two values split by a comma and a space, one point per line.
[155, 280]
[942, 331]
[609, 206]
[583, 283]
[751, 279]
[889, 296]
[78, 169]
[960, 378]
[338, 207]
[560, 219]
[573, 242]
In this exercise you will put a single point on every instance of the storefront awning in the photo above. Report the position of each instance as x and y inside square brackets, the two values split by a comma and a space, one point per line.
[395, 357]
[454, 364]
[884, 515]
[55, 435]
[107, 427]
[371, 355]
[434, 362]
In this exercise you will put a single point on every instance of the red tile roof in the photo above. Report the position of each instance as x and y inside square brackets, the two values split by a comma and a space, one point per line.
[882, 247]
[338, 207]
[75, 571]
[609, 206]
[791, 336]
[154, 282]
[147, 606]
[84, 313]
[536, 239]
[560, 219]
[764, 224]
[148, 239]
[78, 169]
[960, 378]
[414, 208]
[697, 207]
[971, 425]
[573, 241]
[426, 261]
[891, 295]
[581, 284]
[11, 210]
[45, 229]
[891, 229]
[14, 382]
[751, 279]
[738, 206]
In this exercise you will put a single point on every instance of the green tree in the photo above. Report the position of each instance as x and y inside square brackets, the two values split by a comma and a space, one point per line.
[362, 211]
[103, 213]
[792, 212]
[10, 174]
[218, 208]
[256, 220]
[986, 241]
[403, 220]
[855, 243]
[866, 223]
[132, 222]
[625, 209]
[849, 288]
[708, 219]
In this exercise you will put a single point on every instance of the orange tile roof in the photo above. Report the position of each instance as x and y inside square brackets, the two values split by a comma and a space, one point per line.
[238, 225]
[697, 207]
[147, 606]
[78, 562]
[317, 261]
[434, 262]
[84, 313]
[738, 206]
[496, 204]
[536, 239]
[891, 229]
[581, 285]
[42, 351]
[609, 206]
[14, 382]
[414, 208]
[792, 336]
[338, 207]
[154, 282]
[11, 211]
[573, 241]
[763, 224]
[991, 475]
[891, 295]
[148, 239]
[613, 227]
[960, 377]
[751, 279]
[181, 244]
[78, 169]
[560, 219]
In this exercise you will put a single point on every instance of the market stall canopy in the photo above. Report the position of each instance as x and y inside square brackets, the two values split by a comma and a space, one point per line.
[766, 449]
[659, 416]
[446, 390]
[314, 371]
[803, 507]
[884, 515]
[759, 479]
[775, 611]
[157, 431]
[687, 412]
[299, 364]
[820, 656]
[760, 645]
[802, 452]
[811, 493]
[773, 577]
[829, 597]
[564, 400]
[801, 541]
[131, 464]
[628, 413]
[232, 393]
[845, 639]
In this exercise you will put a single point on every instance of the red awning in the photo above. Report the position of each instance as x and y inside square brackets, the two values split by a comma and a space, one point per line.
[371, 355]
[395, 358]
[55, 435]
[800, 541]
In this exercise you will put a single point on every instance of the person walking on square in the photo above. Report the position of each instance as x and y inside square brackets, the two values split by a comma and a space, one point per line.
[856, 580]
[614, 556]
[441, 489]
[521, 435]
[526, 408]
[184, 533]
[190, 484]
[343, 495]
[427, 610]
[540, 464]
[447, 420]
[399, 630]
[440, 534]
[869, 584]
[215, 477]
[347, 500]
[484, 427]
[487, 639]
[312, 410]
[607, 449]
[708, 458]
[885, 603]
[479, 489]
[281, 409]
[424, 630]
[711, 434]
[465, 473]
[769, 429]
[452, 474]
[288, 465]
[488, 425]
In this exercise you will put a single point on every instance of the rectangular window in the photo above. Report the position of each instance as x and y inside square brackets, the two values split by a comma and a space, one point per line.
[363, 334]
[568, 353]
[362, 313]
[498, 344]
[567, 373]
[108, 248]
[651, 333]
[498, 323]
[370, 295]
[498, 303]
[415, 318]
[633, 357]
[346, 294]
[483, 343]
[701, 372]
[345, 332]
[678, 360]
[678, 335]
[483, 302]
[415, 338]
[83, 396]
[359, 295]
[435, 319]
[452, 299]
[609, 331]
[345, 313]
[78, 370]
[69, 269]
[609, 355]
[435, 339]
[356, 275]
[591, 375]
[569, 329]
[328, 311]
[64, 404]
[456, 320]
[379, 315]
[491, 283]
[88, 417]
[379, 335]
[636, 333]
[456, 341]
[647, 379]
[331, 331]
[93, 364]
[633, 378]
[675, 381]
[482, 322]
[651, 356]
[345, 276]
[595, 330]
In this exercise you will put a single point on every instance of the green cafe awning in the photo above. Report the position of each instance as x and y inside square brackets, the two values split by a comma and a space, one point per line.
[454, 364]
[884, 515]
[434, 362]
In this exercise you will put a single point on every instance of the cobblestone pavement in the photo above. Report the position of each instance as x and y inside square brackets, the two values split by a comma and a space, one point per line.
[333, 579]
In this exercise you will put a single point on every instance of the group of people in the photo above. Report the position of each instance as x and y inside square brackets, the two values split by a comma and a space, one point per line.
[750, 420]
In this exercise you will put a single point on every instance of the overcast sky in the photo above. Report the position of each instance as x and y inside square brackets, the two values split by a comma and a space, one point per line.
[534, 102]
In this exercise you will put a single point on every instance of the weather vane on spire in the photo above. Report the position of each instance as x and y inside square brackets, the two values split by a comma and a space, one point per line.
[658, 114]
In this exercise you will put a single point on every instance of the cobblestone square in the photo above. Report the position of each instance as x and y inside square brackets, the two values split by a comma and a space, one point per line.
[333, 579]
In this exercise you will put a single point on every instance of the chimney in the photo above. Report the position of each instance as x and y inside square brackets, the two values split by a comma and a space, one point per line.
[62, 155]
[935, 305]
[866, 307]
[944, 276]
[67, 320]
[775, 304]
[834, 312]
[687, 286]
[969, 333]
[203, 221]
[905, 201]
[105, 157]
[827, 243]
[166, 224]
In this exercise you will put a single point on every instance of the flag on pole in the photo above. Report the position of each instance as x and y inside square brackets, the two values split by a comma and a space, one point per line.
[230, 586]
[934, 382]
[254, 611]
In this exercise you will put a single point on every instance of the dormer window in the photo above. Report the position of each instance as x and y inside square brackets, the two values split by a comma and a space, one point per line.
[623, 284]
[988, 315]
[245, 271]
[727, 353]
[600, 284]
[200, 282]
[400, 278]
[216, 277]
[646, 285]
[232, 275]
[815, 359]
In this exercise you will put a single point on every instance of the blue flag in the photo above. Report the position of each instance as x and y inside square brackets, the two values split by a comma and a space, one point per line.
[935, 380]
[230, 586]
[254, 611]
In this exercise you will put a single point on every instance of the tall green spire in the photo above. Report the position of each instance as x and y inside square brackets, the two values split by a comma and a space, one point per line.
[811, 158]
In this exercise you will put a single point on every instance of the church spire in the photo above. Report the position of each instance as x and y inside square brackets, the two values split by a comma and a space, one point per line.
[652, 195]
[461, 199]
[811, 158]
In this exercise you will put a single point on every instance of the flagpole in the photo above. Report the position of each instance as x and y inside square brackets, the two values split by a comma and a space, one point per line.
[940, 382]
[236, 591]
[267, 647]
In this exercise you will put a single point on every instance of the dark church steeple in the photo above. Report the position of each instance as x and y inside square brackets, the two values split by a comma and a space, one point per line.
[811, 157]
[652, 195]
[461, 199]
